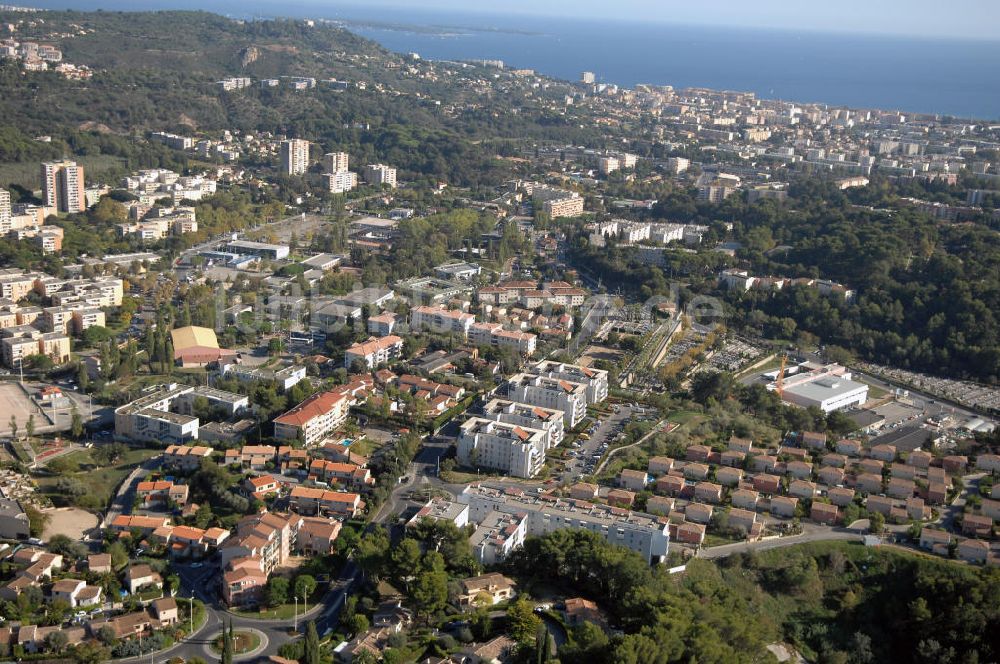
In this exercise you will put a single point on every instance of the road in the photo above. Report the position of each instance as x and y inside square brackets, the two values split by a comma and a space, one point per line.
[122, 502]
[825, 535]
[202, 583]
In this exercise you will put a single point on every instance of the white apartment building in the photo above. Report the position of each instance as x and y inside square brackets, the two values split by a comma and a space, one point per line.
[380, 174]
[643, 533]
[62, 186]
[441, 321]
[294, 156]
[341, 182]
[497, 536]
[553, 393]
[167, 413]
[509, 448]
[374, 351]
[596, 380]
[525, 415]
[5, 210]
[336, 162]
[493, 334]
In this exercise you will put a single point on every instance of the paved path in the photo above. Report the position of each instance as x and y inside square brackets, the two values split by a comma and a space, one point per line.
[652, 432]
[841, 534]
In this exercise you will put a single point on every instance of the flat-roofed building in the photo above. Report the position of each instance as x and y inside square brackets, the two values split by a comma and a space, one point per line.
[509, 448]
[441, 321]
[568, 397]
[642, 533]
[548, 420]
[497, 536]
[596, 380]
[439, 509]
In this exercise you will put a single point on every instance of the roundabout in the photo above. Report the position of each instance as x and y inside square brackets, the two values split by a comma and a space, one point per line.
[248, 642]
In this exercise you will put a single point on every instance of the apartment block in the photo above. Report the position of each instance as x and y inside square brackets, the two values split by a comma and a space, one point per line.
[509, 448]
[441, 321]
[63, 187]
[547, 420]
[374, 352]
[314, 418]
[562, 395]
[596, 380]
[642, 533]
[294, 156]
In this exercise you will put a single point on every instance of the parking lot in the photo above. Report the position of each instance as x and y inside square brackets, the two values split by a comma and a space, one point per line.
[585, 454]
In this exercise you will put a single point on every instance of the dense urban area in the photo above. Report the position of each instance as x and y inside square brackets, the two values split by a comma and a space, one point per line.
[314, 352]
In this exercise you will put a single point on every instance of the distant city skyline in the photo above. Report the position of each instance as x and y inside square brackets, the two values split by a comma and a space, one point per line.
[969, 19]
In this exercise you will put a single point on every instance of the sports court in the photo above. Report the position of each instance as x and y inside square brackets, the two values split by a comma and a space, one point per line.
[14, 401]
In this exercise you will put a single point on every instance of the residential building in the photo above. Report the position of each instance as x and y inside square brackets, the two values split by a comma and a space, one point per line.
[824, 513]
[509, 448]
[494, 334]
[493, 588]
[441, 321]
[642, 533]
[310, 501]
[660, 465]
[633, 480]
[744, 499]
[294, 156]
[596, 380]
[547, 420]
[63, 186]
[374, 352]
[439, 509]
[568, 397]
[379, 175]
[314, 418]
[783, 506]
[341, 182]
[497, 536]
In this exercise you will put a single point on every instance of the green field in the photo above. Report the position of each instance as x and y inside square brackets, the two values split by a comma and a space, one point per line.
[101, 483]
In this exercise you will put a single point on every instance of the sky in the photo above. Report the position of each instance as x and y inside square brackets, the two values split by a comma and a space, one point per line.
[972, 19]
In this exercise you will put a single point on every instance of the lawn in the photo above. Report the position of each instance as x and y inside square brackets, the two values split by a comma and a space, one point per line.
[684, 416]
[243, 642]
[282, 612]
[101, 483]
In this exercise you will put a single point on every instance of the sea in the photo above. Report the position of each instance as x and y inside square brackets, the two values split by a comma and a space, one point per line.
[959, 78]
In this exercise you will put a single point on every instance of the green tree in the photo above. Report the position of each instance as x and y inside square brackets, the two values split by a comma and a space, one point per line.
[228, 646]
[311, 644]
[277, 591]
[29, 427]
[76, 423]
[305, 585]
[876, 522]
[430, 592]
[56, 641]
[82, 377]
[522, 623]
[12, 425]
[358, 623]
[106, 635]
